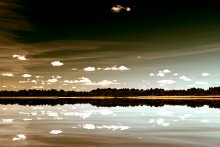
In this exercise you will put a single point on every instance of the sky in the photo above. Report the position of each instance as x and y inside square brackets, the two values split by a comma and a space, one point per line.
[88, 44]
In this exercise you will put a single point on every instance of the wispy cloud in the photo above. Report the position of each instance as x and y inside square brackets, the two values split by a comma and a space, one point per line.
[7, 74]
[80, 80]
[53, 80]
[115, 68]
[184, 78]
[26, 75]
[57, 63]
[175, 74]
[166, 82]
[89, 69]
[205, 74]
[160, 74]
[166, 71]
[20, 57]
[152, 75]
[201, 83]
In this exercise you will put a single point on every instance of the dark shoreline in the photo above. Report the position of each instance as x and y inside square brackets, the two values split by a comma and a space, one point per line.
[112, 102]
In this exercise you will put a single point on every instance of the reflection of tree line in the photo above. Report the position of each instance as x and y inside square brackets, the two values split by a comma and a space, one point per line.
[115, 92]
[124, 102]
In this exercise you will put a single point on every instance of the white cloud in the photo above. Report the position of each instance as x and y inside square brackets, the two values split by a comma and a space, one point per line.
[152, 75]
[55, 132]
[166, 71]
[89, 69]
[80, 80]
[57, 63]
[160, 74]
[26, 75]
[20, 57]
[74, 69]
[7, 74]
[105, 83]
[89, 126]
[19, 137]
[175, 74]
[184, 78]
[114, 68]
[201, 83]
[99, 68]
[52, 80]
[205, 74]
[166, 82]
[33, 81]
[39, 77]
[56, 77]
[37, 87]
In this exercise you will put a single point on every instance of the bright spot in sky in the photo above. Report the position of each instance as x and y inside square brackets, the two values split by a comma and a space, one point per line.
[119, 8]
[55, 132]
[19, 137]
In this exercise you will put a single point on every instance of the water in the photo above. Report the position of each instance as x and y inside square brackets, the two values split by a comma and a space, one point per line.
[83, 125]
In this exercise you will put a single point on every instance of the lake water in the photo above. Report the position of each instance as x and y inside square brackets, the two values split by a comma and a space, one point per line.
[84, 125]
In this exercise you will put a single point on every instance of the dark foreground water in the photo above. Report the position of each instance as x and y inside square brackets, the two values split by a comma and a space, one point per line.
[84, 125]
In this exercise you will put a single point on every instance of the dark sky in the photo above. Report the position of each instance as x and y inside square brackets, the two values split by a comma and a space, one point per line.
[166, 44]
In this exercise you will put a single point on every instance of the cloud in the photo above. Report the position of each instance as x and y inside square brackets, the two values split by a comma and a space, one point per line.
[20, 57]
[54, 80]
[201, 83]
[160, 74]
[166, 82]
[175, 74]
[37, 87]
[33, 81]
[80, 80]
[26, 75]
[115, 68]
[152, 75]
[74, 69]
[39, 77]
[166, 71]
[57, 63]
[102, 83]
[87, 81]
[205, 74]
[7, 74]
[119, 8]
[89, 69]
[184, 78]
[56, 77]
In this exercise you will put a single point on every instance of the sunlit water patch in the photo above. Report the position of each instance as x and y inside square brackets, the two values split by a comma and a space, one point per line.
[84, 125]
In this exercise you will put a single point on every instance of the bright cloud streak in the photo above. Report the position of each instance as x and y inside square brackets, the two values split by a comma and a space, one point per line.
[205, 74]
[115, 68]
[57, 63]
[54, 80]
[166, 82]
[89, 69]
[166, 71]
[26, 75]
[160, 74]
[184, 78]
[201, 83]
[152, 75]
[20, 57]
[7, 74]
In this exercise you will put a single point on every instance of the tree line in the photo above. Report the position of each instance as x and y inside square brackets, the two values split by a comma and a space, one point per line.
[113, 92]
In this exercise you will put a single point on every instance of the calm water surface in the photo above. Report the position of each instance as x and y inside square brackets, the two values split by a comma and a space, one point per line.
[83, 125]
